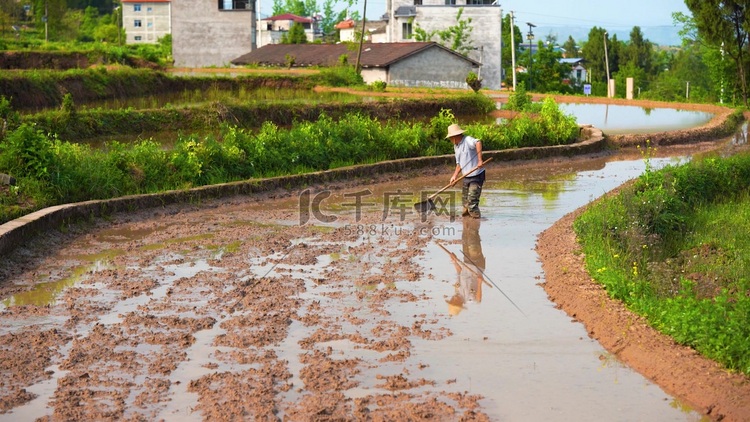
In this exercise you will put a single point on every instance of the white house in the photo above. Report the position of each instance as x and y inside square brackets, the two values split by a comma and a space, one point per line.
[486, 23]
[146, 21]
[272, 29]
[578, 74]
[375, 31]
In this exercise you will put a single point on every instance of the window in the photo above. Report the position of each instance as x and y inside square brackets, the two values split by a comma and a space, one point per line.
[136, 7]
[579, 74]
[149, 9]
[479, 1]
[417, 2]
[450, 2]
[236, 4]
[406, 30]
[138, 38]
[149, 25]
[137, 23]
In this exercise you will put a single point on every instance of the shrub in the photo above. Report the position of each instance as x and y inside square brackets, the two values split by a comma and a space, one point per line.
[474, 82]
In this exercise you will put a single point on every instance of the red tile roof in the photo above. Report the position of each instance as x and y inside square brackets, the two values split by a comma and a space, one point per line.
[345, 24]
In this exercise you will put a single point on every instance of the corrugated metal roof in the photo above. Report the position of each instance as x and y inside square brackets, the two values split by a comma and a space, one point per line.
[373, 54]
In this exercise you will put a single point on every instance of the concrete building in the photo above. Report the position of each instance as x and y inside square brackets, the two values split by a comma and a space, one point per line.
[375, 31]
[486, 23]
[207, 33]
[272, 29]
[408, 64]
[146, 21]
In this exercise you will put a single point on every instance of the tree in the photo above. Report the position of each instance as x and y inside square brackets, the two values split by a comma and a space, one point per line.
[726, 23]
[593, 53]
[296, 7]
[571, 48]
[296, 35]
[638, 51]
[548, 72]
[55, 12]
[456, 37]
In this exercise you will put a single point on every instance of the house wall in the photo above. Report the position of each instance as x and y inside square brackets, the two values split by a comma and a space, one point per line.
[153, 18]
[433, 68]
[486, 21]
[372, 75]
[203, 35]
[271, 32]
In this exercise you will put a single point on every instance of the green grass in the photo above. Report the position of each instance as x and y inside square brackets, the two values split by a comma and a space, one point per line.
[674, 248]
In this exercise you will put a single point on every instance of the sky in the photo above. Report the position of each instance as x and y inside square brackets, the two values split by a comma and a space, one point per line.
[609, 14]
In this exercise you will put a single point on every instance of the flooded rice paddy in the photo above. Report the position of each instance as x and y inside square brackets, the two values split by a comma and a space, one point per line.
[627, 119]
[333, 302]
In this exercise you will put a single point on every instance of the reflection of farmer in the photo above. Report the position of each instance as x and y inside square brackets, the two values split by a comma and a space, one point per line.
[469, 269]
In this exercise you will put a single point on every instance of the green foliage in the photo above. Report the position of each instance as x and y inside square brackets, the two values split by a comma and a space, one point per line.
[290, 60]
[27, 152]
[474, 82]
[340, 76]
[519, 100]
[295, 35]
[456, 37]
[8, 116]
[673, 246]
[378, 86]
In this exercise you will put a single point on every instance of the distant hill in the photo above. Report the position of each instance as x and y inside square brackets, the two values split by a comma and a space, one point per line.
[665, 35]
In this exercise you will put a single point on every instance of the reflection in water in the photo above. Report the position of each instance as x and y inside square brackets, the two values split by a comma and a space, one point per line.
[621, 119]
[740, 136]
[469, 270]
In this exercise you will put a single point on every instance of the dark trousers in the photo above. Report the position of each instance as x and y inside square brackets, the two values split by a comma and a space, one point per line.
[472, 191]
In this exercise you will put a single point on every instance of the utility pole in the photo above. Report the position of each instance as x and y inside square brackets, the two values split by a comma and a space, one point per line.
[119, 25]
[530, 36]
[361, 38]
[606, 59]
[46, 24]
[513, 47]
[500, 85]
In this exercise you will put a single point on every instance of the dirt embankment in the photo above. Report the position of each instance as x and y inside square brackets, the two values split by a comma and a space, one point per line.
[719, 394]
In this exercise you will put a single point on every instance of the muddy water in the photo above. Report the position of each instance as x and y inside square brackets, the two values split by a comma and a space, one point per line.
[505, 341]
[510, 344]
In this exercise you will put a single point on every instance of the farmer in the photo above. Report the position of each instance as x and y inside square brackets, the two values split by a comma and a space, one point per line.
[468, 155]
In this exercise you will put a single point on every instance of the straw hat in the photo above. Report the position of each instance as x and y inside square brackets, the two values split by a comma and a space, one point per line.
[454, 130]
[455, 304]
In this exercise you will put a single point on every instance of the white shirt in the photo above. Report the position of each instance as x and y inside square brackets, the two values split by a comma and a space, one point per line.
[466, 155]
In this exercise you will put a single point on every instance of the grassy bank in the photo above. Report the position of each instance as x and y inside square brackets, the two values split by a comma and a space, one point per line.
[72, 123]
[673, 247]
[50, 171]
[37, 89]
